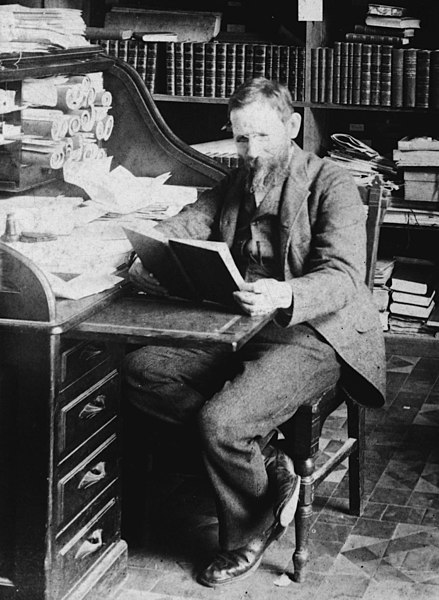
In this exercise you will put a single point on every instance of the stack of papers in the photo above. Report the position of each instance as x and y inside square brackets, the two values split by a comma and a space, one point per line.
[24, 29]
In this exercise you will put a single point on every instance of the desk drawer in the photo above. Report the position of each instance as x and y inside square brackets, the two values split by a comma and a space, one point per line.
[78, 488]
[86, 413]
[83, 550]
[80, 358]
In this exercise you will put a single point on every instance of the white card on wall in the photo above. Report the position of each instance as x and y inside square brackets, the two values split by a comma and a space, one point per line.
[310, 10]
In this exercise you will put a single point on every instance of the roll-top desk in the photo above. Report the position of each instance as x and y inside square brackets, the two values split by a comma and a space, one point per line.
[59, 387]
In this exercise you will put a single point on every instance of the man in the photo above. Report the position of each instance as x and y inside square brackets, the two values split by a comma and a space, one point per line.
[296, 228]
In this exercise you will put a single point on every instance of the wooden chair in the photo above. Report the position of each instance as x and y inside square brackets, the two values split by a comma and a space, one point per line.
[302, 432]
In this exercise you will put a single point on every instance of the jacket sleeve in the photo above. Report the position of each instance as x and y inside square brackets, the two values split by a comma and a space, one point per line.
[334, 256]
[197, 220]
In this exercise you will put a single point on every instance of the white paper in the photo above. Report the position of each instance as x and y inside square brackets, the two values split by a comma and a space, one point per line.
[83, 285]
[310, 10]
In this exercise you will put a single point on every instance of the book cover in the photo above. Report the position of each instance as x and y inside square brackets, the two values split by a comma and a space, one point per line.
[433, 319]
[350, 71]
[397, 77]
[221, 69]
[344, 72]
[366, 38]
[188, 68]
[170, 68]
[422, 91]
[375, 75]
[230, 69]
[409, 77]
[411, 310]
[188, 268]
[393, 31]
[210, 267]
[421, 191]
[315, 74]
[151, 66]
[321, 75]
[356, 76]
[301, 73]
[417, 299]
[210, 69]
[413, 277]
[386, 76]
[293, 74]
[329, 61]
[387, 11]
[179, 68]
[393, 22]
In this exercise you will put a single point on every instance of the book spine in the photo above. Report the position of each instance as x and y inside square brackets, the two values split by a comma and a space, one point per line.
[210, 69]
[423, 78]
[269, 61]
[142, 54]
[113, 48]
[276, 62]
[248, 61]
[366, 74]
[409, 77]
[374, 39]
[344, 72]
[221, 70]
[230, 69]
[434, 79]
[329, 59]
[350, 72]
[370, 30]
[170, 69]
[199, 57]
[179, 69]
[259, 56]
[356, 78]
[375, 75]
[284, 64]
[151, 66]
[293, 75]
[337, 73]
[123, 50]
[301, 73]
[240, 65]
[315, 74]
[321, 74]
[386, 76]
[132, 53]
[397, 77]
[188, 68]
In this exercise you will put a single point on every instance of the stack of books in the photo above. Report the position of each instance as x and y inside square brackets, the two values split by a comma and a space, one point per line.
[419, 160]
[381, 291]
[223, 151]
[412, 289]
[390, 25]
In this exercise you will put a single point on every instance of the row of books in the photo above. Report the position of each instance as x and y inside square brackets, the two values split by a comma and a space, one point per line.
[376, 75]
[404, 291]
[216, 69]
[141, 55]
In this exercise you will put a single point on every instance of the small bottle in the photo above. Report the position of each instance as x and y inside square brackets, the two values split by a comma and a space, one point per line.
[11, 230]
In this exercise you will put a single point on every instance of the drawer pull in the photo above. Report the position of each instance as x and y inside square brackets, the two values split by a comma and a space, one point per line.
[90, 545]
[94, 407]
[92, 476]
[91, 353]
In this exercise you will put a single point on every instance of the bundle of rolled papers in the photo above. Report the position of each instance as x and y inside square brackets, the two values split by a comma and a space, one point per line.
[7, 101]
[65, 119]
[24, 29]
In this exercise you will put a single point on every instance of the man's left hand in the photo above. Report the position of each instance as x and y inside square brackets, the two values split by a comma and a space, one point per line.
[264, 296]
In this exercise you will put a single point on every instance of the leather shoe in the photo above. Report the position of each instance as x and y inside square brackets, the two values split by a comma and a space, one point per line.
[233, 565]
[288, 488]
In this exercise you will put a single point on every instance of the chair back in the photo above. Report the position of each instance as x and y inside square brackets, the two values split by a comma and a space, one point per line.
[375, 212]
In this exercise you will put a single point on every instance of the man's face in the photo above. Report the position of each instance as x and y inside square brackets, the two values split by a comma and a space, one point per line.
[263, 142]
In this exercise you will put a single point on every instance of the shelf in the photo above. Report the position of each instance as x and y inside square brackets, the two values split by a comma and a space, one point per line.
[369, 108]
[412, 345]
[203, 100]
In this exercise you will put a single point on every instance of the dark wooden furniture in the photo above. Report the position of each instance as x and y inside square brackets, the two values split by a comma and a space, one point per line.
[59, 388]
[302, 431]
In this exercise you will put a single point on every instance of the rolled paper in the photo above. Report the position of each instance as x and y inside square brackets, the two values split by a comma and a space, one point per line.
[90, 151]
[83, 80]
[69, 97]
[48, 160]
[99, 130]
[97, 80]
[109, 124]
[102, 153]
[7, 100]
[91, 96]
[101, 112]
[103, 98]
[77, 141]
[87, 122]
[54, 129]
[76, 154]
[74, 124]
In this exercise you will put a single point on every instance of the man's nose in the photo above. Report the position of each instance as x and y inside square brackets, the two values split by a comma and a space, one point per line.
[253, 148]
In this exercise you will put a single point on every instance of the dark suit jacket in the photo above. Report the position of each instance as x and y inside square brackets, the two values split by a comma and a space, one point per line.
[323, 248]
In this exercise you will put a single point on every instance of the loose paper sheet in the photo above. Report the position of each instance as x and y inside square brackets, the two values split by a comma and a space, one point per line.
[310, 10]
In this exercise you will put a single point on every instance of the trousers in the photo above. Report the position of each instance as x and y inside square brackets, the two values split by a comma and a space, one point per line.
[236, 400]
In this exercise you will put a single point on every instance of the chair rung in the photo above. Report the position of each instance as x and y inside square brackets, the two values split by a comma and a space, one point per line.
[339, 456]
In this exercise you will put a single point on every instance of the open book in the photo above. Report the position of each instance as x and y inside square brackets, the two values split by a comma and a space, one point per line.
[188, 268]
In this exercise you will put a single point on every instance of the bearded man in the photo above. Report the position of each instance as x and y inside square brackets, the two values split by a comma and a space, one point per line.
[295, 225]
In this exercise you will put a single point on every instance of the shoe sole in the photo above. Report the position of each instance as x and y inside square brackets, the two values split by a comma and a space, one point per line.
[250, 571]
[288, 511]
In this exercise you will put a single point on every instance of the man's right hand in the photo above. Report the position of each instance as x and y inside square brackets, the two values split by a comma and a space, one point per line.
[145, 281]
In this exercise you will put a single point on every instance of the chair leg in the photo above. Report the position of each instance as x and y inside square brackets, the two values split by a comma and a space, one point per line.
[303, 518]
[356, 429]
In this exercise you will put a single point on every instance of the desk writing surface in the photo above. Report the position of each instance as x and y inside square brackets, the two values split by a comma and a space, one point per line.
[138, 319]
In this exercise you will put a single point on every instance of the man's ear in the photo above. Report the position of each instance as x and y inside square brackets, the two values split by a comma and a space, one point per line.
[294, 125]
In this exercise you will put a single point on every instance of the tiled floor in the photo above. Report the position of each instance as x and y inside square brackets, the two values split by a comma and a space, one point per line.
[390, 553]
